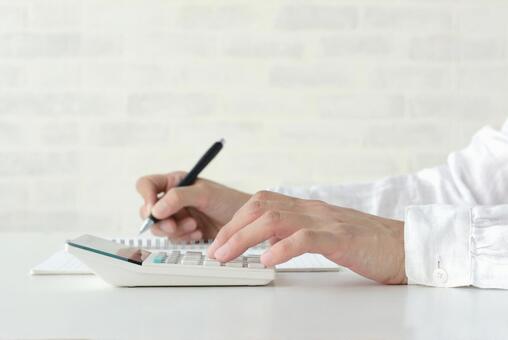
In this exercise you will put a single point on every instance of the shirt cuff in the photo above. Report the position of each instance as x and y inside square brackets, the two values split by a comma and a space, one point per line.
[437, 241]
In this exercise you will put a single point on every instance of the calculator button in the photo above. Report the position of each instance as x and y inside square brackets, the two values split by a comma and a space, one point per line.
[211, 263]
[159, 259]
[234, 264]
[172, 260]
[255, 265]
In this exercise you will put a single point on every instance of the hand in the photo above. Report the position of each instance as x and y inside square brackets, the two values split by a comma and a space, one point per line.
[187, 213]
[369, 245]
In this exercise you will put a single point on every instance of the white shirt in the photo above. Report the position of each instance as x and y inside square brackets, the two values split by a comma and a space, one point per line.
[456, 214]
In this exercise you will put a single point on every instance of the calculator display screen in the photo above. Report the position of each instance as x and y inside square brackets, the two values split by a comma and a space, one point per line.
[109, 248]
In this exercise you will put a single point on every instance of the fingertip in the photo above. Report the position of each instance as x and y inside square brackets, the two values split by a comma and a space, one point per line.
[222, 253]
[160, 208]
[188, 224]
[196, 235]
[168, 226]
[214, 246]
[145, 210]
[267, 258]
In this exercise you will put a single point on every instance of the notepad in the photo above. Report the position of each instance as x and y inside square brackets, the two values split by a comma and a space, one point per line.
[63, 263]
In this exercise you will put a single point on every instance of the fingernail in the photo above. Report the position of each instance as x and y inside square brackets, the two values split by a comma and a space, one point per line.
[196, 235]
[159, 208]
[222, 252]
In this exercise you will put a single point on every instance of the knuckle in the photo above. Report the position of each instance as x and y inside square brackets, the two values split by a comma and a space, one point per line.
[273, 216]
[140, 182]
[255, 207]
[318, 204]
[305, 236]
[176, 176]
[261, 195]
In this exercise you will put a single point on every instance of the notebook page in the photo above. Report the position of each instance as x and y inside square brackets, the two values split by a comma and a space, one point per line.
[61, 263]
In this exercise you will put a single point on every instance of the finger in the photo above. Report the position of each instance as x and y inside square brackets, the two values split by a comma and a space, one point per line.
[156, 230]
[168, 227]
[272, 223]
[150, 186]
[273, 240]
[178, 198]
[247, 214]
[144, 211]
[301, 242]
[192, 236]
[186, 226]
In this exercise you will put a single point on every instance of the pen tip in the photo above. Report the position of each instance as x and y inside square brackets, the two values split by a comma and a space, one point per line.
[222, 141]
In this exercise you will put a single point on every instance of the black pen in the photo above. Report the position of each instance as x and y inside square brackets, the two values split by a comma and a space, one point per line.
[189, 179]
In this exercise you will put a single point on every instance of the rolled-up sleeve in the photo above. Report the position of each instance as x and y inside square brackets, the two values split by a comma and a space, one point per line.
[451, 246]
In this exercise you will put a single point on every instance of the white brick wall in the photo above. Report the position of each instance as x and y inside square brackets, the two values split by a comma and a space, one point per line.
[94, 93]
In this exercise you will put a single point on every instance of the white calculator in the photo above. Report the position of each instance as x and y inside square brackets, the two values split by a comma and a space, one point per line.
[122, 265]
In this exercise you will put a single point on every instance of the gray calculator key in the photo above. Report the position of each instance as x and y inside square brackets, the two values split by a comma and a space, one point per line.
[253, 259]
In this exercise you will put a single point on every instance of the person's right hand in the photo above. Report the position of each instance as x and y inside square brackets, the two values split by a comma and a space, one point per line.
[187, 213]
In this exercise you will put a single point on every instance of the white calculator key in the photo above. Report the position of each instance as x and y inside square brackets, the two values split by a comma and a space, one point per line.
[193, 253]
[234, 264]
[211, 263]
[255, 265]
[191, 262]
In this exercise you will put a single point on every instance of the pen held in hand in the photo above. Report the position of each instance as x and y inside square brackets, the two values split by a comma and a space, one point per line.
[190, 178]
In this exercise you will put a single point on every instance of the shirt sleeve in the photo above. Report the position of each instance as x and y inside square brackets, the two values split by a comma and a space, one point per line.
[450, 246]
[476, 175]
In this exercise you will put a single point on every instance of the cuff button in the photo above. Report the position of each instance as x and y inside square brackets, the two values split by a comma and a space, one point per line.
[440, 275]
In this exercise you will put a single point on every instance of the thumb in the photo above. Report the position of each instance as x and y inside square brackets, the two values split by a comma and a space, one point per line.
[178, 198]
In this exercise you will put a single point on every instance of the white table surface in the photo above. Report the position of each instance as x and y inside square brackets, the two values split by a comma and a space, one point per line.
[296, 306]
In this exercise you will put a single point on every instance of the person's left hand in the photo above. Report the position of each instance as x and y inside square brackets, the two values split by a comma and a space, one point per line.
[369, 245]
